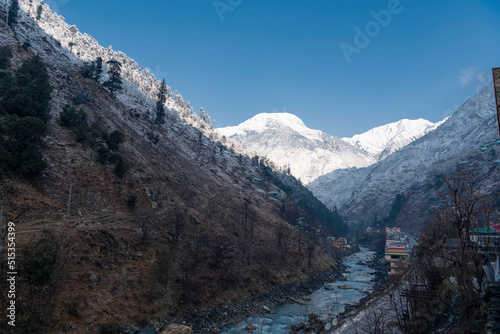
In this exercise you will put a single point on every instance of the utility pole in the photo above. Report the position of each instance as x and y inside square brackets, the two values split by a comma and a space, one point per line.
[496, 83]
[69, 201]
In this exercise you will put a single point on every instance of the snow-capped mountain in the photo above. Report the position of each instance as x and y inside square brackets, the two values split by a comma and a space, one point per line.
[287, 141]
[384, 140]
[462, 143]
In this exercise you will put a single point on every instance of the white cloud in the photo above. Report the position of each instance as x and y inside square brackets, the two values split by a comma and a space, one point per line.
[467, 76]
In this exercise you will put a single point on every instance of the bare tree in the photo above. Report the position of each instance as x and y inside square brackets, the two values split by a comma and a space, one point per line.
[146, 225]
[460, 202]
[310, 249]
[460, 213]
[283, 241]
[247, 204]
[178, 224]
[221, 251]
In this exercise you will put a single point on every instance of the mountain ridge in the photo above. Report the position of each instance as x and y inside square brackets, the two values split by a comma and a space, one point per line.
[384, 140]
[285, 140]
[457, 145]
[310, 153]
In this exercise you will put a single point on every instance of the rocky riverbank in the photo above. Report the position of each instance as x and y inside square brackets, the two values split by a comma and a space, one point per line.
[212, 319]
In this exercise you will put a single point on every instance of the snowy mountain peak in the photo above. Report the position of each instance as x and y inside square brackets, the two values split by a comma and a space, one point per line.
[384, 140]
[287, 141]
[268, 121]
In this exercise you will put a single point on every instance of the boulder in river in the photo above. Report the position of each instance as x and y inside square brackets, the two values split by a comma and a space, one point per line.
[344, 286]
[177, 329]
[298, 301]
[250, 328]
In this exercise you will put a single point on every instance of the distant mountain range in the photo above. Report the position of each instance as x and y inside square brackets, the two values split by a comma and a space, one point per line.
[287, 141]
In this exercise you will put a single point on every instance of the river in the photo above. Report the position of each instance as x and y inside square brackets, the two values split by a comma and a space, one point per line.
[323, 301]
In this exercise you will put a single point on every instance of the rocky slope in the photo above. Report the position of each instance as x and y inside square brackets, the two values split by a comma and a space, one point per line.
[462, 143]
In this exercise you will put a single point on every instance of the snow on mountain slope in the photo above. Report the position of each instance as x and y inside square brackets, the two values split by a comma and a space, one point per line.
[138, 82]
[265, 121]
[387, 139]
[416, 169]
[286, 141]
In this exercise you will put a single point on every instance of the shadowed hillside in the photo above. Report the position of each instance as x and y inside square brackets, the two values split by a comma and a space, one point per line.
[161, 218]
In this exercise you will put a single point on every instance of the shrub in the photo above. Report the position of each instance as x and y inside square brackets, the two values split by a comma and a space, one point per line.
[26, 45]
[121, 168]
[70, 117]
[114, 140]
[91, 134]
[102, 155]
[39, 263]
[112, 328]
[114, 158]
[153, 137]
[131, 201]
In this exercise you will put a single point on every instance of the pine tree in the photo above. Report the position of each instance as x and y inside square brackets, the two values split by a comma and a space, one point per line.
[6, 78]
[5, 56]
[162, 92]
[160, 112]
[88, 69]
[202, 114]
[98, 69]
[12, 14]
[73, 30]
[114, 82]
[92, 69]
[162, 98]
[39, 11]
[21, 152]
[30, 93]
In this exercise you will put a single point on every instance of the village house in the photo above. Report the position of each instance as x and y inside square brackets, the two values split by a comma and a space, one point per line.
[397, 250]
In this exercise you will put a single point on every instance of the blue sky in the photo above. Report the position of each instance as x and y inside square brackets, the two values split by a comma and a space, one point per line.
[238, 58]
